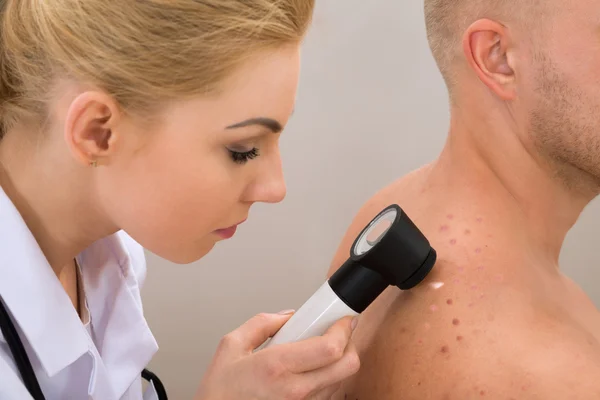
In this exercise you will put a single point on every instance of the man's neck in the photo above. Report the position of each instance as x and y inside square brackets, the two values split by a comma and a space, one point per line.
[504, 176]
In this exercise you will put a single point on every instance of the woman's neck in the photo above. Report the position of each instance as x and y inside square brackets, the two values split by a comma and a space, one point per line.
[54, 196]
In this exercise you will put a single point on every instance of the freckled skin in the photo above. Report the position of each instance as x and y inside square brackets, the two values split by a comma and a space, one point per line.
[498, 323]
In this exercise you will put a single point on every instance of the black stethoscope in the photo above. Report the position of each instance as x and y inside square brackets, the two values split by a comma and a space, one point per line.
[26, 370]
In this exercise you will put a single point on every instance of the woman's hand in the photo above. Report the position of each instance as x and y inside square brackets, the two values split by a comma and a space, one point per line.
[310, 369]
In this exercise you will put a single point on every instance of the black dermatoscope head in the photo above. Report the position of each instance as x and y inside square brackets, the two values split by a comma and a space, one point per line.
[390, 250]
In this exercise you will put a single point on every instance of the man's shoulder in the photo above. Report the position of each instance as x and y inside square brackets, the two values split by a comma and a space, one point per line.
[441, 345]
[375, 204]
[472, 329]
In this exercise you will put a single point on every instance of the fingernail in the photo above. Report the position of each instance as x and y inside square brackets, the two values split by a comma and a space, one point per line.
[354, 323]
[286, 312]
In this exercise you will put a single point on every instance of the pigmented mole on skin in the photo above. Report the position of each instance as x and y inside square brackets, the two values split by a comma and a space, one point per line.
[455, 322]
[459, 338]
[482, 393]
[449, 302]
[444, 349]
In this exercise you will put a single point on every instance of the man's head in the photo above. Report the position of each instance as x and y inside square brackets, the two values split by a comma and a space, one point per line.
[536, 63]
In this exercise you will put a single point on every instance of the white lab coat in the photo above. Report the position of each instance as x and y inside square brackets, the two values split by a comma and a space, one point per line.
[100, 358]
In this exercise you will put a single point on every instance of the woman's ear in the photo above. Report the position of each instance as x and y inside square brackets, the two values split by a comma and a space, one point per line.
[90, 127]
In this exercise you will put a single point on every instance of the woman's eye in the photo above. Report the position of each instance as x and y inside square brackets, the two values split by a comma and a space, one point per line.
[242, 157]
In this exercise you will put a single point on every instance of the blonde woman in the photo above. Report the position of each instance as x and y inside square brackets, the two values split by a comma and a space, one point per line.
[130, 124]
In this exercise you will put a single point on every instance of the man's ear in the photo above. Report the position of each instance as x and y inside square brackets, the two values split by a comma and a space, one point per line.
[90, 127]
[488, 50]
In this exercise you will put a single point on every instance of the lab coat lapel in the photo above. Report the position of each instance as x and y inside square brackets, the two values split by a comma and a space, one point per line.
[32, 292]
[120, 331]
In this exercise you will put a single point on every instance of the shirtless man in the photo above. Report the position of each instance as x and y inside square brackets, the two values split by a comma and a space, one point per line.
[521, 162]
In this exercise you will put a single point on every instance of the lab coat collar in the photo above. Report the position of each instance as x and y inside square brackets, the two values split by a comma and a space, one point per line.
[31, 290]
[111, 271]
[121, 333]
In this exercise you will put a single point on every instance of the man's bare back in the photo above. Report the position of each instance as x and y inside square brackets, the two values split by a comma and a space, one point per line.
[494, 320]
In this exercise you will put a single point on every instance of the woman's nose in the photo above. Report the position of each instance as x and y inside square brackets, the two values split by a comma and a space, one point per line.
[269, 185]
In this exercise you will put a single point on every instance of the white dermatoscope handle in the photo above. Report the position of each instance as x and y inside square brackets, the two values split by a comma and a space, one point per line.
[323, 309]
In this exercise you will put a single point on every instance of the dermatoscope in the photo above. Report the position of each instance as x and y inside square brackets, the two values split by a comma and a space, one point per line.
[390, 250]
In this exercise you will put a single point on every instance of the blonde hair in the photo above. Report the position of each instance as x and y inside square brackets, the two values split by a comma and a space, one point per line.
[140, 52]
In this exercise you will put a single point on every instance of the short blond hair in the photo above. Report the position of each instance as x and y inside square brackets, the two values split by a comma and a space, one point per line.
[140, 52]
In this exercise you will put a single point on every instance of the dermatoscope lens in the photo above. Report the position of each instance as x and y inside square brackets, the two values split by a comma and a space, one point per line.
[375, 232]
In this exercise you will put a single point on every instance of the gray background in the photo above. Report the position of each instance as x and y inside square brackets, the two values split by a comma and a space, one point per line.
[371, 107]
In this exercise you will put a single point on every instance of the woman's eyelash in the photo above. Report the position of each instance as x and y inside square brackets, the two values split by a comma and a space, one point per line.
[243, 157]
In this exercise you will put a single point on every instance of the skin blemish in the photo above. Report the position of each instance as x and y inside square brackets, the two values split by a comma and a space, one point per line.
[481, 295]
[433, 308]
[480, 268]
[467, 232]
[471, 304]
[420, 341]
[449, 302]
[473, 287]
[445, 349]
[459, 338]
[444, 228]
[427, 326]
[482, 393]
[479, 219]
[461, 269]
[450, 216]
[403, 330]
[499, 278]
[455, 322]
[478, 250]
[456, 280]
[453, 242]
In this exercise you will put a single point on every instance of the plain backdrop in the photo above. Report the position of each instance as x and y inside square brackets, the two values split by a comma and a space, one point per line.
[371, 107]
